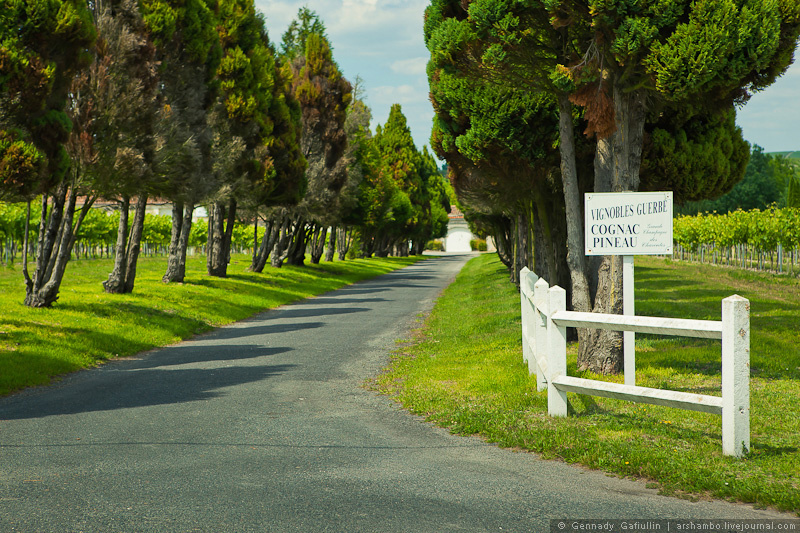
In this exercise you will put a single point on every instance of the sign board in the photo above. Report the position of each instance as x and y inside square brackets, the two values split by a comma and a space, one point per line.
[628, 223]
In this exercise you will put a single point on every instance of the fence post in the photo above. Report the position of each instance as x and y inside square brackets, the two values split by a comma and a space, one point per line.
[526, 318]
[529, 281]
[556, 353]
[735, 376]
[540, 294]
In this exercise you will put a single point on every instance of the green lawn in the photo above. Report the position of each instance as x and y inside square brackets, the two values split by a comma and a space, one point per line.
[464, 371]
[87, 326]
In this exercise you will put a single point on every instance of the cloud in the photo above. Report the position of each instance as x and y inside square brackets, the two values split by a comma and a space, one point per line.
[414, 66]
[401, 94]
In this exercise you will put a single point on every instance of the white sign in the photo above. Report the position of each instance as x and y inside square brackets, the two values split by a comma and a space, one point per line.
[628, 223]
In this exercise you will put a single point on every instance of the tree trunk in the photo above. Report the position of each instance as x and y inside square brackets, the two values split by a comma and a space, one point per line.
[601, 350]
[522, 245]
[368, 245]
[267, 242]
[318, 243]
[115, 284]
[255, 242]
[281, 248]
[331, 248]
[617, 164]
[25, 239]
[344, 239]
[47, 279]
[544, 252]
[219, 238]
[400, 249]
[504, 242]
[181, 229]
[135, 242]
[172, 255]
[572, 200]
[299, 242]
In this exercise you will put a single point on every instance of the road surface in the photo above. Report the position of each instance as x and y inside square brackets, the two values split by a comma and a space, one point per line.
[265, 426]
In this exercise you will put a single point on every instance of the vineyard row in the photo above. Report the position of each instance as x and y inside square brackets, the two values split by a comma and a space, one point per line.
[762, 239]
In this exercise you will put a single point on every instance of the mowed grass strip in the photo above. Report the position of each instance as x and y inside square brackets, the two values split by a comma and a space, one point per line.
[87, 326]
[464, 371]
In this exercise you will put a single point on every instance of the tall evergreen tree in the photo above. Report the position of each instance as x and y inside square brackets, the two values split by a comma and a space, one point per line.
[122, 86]
[290, 183]
[324, 95]
[188, 48]
[44, 44]
[244, 128]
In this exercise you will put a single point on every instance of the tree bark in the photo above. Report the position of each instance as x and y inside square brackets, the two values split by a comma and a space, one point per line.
[330, 251]
[543, 256]
[181, 229]
[281, 248]
[135, 242]
[522, 245]
[504, 242]
[344, 239]
[318, 243]
[617, 164]
[25, 239]
[47, 279]
[580, 300]
[174, 242]
[220, 234]
[267, 242]
[115, 284]
[299, 242]
[601, 350]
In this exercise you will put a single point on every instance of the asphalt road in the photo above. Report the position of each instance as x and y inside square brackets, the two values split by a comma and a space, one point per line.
[265, 426]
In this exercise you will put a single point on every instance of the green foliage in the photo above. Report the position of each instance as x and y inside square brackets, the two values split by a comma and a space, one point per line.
[249, 82]
[99, 227]
[285, 151]
[763, 184]
[700, 157]
[435, 246]
[323, 95]
[793, 197]
[247, 69]
[477, 245]
[188, 24]
[762, 230]
[198, 236]
[12, 222]
[294, 39]
[157, 229]
[722, 44]
[20, 163]
[42, 45]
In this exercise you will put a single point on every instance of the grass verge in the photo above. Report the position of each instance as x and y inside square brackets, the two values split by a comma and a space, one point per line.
[87, 326]
[464, 371]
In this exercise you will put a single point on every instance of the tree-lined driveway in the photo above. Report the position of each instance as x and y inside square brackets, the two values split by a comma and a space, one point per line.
[265, 426]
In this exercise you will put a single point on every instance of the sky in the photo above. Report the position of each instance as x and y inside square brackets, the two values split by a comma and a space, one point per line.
[381, 41]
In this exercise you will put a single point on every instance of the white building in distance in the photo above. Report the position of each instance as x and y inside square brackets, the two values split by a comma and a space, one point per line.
[458, 233]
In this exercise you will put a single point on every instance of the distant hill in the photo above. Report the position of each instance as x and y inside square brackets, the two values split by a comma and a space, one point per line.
[789, 155]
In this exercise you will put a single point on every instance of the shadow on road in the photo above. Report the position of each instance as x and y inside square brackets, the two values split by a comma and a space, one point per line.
[148, 382]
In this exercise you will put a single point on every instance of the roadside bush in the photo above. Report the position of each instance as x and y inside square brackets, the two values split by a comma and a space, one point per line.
[435, 246]
[478, 245]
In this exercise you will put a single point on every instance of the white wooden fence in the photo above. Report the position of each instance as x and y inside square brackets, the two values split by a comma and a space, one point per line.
[544, 345]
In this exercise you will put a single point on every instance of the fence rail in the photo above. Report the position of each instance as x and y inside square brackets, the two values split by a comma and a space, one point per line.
[544, 344]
